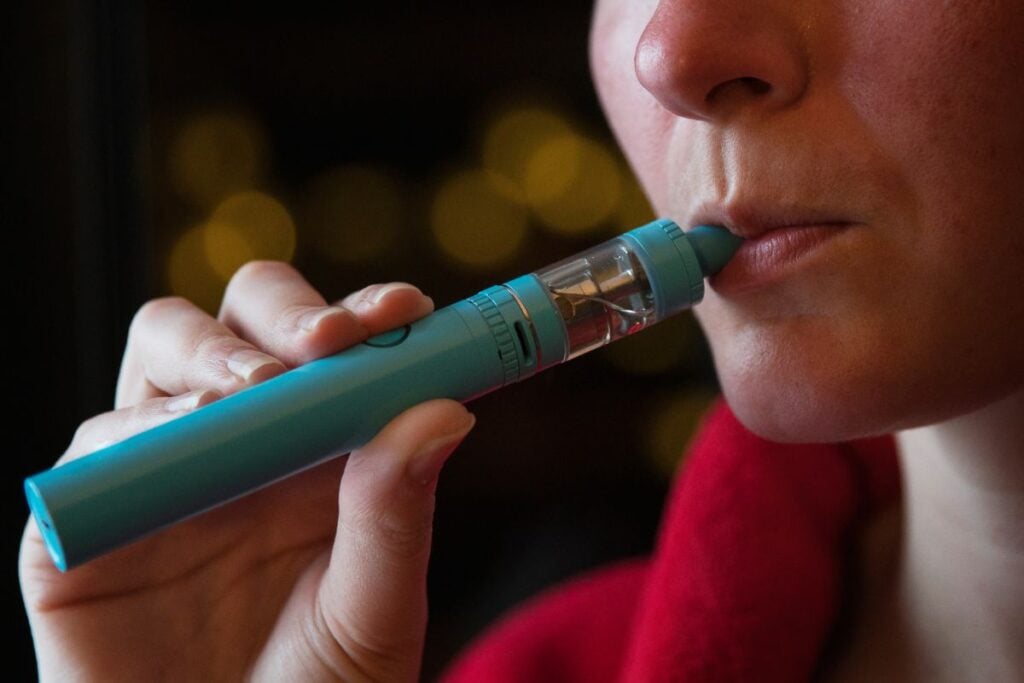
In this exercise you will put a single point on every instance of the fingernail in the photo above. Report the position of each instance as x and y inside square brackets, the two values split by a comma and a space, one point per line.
[426, 464]
[190, 401]
[245, 363]
[383, 291]
[310, 321]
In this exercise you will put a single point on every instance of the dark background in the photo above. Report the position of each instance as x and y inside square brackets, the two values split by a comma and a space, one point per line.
[128, 124]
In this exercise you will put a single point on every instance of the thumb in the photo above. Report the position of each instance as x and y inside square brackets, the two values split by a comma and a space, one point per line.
[373, 595]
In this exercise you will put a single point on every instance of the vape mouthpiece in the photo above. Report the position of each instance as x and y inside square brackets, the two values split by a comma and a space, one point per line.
[714, 246]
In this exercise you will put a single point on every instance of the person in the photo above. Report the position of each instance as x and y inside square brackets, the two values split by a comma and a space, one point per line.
[870, 151]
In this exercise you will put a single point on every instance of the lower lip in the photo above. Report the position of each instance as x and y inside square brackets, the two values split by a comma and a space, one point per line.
[773, 256]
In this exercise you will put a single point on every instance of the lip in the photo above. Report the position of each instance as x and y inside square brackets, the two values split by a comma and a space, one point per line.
[775, 243]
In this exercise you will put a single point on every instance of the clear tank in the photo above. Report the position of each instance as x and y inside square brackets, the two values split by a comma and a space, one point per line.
[602, 294]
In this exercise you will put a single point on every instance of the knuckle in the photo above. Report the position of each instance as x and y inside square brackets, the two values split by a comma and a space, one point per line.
[215, 347]
[150, 411]
[360, 295]
[86, 430]
[250, 277]
[292, 314]
[93, 433]
[261, 270]
[154, 309]
[367, 292]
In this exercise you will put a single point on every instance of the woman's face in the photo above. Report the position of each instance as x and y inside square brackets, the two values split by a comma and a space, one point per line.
[895, 130]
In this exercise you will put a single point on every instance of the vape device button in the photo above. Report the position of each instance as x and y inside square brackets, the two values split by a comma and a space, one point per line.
[390, 338]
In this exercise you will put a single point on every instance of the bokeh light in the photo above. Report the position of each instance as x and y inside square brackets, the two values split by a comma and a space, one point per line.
[475, 223]
[673, 422]
[215, 154]
[573, 184]
[247, 226]
[514, 136]
[352, 213]
[189, 273]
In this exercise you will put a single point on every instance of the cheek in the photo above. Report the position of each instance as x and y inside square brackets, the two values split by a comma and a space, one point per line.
[926, 323]
[941, 87]
[870, 358]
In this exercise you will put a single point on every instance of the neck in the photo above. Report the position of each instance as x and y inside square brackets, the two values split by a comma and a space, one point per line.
[960, 602]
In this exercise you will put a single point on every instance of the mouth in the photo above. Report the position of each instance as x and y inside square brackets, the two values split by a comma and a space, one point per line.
[776, 242]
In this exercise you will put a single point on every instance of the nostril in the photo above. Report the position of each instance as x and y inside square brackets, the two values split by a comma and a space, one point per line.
[756, 85]
[749, 84]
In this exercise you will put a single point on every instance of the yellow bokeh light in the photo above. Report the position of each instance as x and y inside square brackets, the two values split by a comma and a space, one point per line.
[353, 213]
[514, 137]
[675, 420]
[215, 154]
[247, 226]
[552, 169]
[190, 275]
[476, 224]
[573, 184]
[226, 248]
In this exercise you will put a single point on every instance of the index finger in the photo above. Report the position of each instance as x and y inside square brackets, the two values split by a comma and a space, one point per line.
[271, 305]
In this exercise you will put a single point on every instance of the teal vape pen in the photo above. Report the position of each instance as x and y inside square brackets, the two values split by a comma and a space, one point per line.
[333, 405]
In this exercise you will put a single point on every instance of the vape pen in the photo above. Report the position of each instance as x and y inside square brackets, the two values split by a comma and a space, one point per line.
[333, 405]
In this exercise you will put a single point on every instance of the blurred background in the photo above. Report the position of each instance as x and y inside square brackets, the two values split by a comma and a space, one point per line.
[151, 148]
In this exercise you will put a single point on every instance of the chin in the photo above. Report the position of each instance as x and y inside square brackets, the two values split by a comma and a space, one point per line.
[803, 379]
[798, 413]
[840, 399]
[845, 359]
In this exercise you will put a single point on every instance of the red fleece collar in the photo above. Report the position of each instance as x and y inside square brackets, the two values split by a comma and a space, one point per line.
[745, 583]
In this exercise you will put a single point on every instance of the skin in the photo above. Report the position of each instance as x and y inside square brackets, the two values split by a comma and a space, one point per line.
[903, 120]
[900, 119]
[306, 580]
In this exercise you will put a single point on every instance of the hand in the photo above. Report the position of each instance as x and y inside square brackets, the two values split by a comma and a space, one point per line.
[298, 581]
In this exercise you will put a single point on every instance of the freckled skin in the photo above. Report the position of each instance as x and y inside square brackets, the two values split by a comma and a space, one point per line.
[905, 118]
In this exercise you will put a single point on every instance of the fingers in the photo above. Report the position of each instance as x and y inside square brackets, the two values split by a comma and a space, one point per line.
[373, 595]
[271, 319]
[117, 425]
[271, 305]
[174, 348]
[383, 307]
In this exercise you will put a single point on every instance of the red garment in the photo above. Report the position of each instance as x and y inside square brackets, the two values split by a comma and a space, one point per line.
[745, 584]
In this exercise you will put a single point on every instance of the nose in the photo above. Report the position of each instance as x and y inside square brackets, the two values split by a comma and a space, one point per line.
[712, 59]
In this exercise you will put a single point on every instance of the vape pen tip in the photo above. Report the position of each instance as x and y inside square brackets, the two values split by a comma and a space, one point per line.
[714, 246]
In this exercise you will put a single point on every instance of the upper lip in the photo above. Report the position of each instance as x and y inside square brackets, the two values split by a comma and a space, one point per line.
[750, 220]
